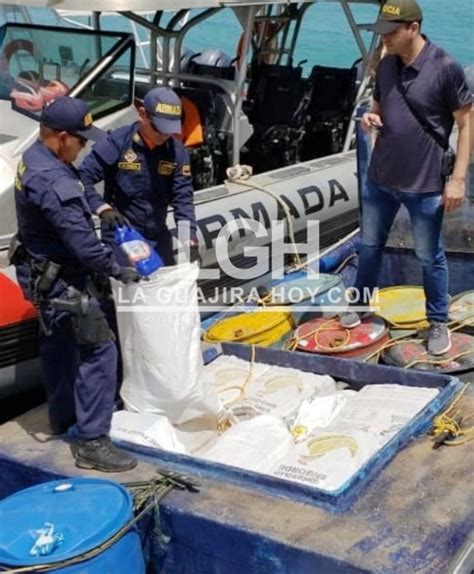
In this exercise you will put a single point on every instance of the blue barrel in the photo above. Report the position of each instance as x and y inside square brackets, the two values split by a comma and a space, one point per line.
[80, 514]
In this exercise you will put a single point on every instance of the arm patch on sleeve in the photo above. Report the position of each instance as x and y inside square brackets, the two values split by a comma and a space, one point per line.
[186, 170]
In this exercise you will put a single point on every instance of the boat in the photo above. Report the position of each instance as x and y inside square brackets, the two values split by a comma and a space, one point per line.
[409, 509]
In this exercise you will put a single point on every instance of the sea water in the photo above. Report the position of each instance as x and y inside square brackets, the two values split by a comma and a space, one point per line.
[325, 37]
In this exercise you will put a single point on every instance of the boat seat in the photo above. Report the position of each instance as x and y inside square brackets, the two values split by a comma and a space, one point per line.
[274, 94]
[275, 106]
[333, 90]
[332, 95]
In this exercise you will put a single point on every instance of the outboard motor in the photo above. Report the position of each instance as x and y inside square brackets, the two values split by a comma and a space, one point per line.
[213, 62]
[186, 56]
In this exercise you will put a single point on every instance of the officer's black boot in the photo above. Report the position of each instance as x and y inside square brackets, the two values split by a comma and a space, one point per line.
[101, 454]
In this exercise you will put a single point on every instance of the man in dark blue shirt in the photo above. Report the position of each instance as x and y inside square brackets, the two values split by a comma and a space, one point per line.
[145, 170]
[420, 92]
[59, 266]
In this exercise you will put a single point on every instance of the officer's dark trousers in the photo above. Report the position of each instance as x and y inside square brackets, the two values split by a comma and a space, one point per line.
[80, 379]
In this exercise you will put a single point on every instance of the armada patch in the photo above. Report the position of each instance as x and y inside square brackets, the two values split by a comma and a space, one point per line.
[166, 167]
[169, 109]
[129, 166]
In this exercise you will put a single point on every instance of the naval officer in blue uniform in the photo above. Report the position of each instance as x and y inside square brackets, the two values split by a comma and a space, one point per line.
[61, 267]
[145, 171]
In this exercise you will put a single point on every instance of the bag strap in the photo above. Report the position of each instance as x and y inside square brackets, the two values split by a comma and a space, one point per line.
[423, 123]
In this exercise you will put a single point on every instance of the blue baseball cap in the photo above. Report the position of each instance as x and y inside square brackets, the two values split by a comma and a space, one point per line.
[71, 115]
[165, 111]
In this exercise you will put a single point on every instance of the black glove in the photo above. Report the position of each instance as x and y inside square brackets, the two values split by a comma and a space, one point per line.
[113, 218]
[128, 275]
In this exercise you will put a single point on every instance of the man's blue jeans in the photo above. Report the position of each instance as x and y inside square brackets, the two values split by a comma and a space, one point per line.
[379, 208]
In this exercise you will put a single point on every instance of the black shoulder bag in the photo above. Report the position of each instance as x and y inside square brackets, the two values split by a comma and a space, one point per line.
[449, 157]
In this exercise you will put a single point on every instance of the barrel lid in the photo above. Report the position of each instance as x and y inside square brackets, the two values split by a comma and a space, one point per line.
[413, 354]
[86, 511]
[328, 336]
[402, 305]
[240, 327]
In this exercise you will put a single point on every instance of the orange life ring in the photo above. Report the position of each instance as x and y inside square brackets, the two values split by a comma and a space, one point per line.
[266, 33]
[16, 45]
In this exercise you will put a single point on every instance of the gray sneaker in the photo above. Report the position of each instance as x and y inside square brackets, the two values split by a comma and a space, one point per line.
[439, 339]
[349, 320]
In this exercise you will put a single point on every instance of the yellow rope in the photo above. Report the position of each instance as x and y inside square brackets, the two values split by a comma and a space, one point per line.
[295, 340]
[243, 386]
[448, 423]
[459, 324]
[392, 343]
[325, 327]
[438, 361]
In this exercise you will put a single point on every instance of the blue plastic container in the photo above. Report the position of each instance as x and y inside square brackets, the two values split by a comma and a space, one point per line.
[139, 252]
[85, 512]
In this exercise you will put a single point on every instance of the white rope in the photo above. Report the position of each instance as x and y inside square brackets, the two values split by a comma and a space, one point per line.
[240, 174]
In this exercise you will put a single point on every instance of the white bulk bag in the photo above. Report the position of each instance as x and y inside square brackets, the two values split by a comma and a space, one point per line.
[146, 429]
[258, 444]
[159, 329]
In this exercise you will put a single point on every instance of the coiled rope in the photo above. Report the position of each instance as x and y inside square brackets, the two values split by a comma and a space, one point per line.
[447, 427]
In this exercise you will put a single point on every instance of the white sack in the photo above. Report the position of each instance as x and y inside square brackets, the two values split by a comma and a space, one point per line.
[146, 429]
[331, 469]
[159, 328]
[248, 389]
[318, 412]
[257, 444]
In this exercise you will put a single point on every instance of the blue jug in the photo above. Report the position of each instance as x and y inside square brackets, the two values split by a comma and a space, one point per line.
[139, 252]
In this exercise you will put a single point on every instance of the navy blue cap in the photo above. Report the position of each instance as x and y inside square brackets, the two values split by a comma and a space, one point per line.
[70, 115]
[164, 108]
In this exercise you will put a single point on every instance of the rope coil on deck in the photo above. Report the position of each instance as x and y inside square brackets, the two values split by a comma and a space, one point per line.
[447, 427]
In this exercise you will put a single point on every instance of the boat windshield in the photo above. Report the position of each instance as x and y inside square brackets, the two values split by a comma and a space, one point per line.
[39, 63]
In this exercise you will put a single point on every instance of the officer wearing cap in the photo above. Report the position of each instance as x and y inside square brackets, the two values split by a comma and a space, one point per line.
[420, 93]
[60, 262]
[145, 170]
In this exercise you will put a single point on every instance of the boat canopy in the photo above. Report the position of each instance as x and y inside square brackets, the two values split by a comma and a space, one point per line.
[154, 5]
